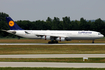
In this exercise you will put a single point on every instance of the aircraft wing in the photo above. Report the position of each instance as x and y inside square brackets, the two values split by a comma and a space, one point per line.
[51, 35]
[4, 30]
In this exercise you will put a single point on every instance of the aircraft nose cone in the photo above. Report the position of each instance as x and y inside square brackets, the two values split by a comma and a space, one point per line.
[102, 36]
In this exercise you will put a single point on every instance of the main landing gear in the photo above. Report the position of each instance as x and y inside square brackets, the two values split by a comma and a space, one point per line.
[92, 41]
[52, 42]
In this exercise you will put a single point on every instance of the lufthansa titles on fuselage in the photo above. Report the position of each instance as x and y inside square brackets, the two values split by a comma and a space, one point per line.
[84, 32]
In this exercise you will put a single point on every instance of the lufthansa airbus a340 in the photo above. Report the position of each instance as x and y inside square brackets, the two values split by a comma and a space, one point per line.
[53, 35]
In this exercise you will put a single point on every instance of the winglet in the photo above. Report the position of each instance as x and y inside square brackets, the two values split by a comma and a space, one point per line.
[12, 24]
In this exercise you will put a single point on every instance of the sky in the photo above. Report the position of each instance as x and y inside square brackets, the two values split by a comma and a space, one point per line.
[42, 9]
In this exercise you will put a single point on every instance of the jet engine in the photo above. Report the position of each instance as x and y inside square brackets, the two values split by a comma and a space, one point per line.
[68, 39]
[46, 37]
[60, 39]
[63, 39]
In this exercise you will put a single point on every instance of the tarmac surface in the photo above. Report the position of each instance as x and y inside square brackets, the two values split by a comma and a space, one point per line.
[52, 64]
[54, 56]
[52, 44]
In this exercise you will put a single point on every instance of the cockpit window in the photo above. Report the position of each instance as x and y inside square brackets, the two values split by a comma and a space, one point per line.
[99, 33]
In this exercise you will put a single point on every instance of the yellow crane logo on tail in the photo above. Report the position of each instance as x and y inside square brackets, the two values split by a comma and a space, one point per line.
[11, 23]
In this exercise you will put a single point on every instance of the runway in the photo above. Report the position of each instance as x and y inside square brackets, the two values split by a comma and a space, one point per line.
[52, 44]
[54, 56]
[52, 64]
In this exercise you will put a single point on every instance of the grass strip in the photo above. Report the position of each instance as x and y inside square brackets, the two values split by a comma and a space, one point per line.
[9, 68]
[50, 49]
[23, 40]
[67, 60]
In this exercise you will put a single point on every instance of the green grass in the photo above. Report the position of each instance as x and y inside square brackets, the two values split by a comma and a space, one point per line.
[50, 49]
[67, 60]
[9, 68]
[25, 40]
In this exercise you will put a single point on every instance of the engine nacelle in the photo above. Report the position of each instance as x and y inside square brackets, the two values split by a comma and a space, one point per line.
[63, 39]
[46, 37]
[68, 39]
[60, 39]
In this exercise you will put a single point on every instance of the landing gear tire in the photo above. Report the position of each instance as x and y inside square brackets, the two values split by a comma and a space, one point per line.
[52, 42]
[93, 41]
[56, 41]
[49, 42]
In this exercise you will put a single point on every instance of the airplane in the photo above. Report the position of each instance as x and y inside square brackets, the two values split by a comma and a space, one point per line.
[53, 35]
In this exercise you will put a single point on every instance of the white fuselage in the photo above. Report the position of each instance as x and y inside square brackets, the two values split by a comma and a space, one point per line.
[69, 35]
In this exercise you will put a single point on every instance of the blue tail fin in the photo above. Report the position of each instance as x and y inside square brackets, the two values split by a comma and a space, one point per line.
[12, 24]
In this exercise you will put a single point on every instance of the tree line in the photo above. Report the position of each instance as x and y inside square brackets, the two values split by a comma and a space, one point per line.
[53, 24]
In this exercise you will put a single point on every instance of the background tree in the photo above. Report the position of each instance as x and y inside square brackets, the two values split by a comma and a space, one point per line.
[99, 25]
[48, 23]
[83, 24]
[55, 23]
[3, 24]
[66, 23]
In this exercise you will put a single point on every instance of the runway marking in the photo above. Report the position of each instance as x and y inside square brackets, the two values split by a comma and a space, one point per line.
[54, 56]
[52, 44]
[52, 64]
